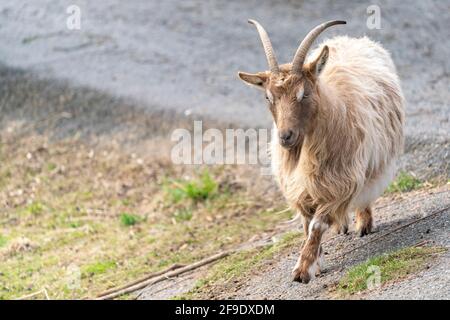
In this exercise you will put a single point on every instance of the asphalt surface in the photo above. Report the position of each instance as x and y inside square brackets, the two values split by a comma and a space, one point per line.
[184, 55]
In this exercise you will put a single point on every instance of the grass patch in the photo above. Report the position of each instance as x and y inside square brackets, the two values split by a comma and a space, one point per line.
[196, 190]
[392, 266]
[98, 268]
[127, 219]
[403, 183]
[35, 208]
[75, 224]
[3, 241]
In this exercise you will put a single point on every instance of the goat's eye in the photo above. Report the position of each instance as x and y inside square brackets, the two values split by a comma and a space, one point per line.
[269, 96]
[305, 96]
[300, 94]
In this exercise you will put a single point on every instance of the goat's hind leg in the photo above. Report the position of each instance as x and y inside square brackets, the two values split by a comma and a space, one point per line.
[364, 222]
[342, 226]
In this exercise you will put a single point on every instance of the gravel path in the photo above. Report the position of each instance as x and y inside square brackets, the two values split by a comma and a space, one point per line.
[275, 282]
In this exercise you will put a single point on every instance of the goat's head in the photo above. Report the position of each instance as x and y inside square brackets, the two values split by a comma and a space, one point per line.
[291, 88]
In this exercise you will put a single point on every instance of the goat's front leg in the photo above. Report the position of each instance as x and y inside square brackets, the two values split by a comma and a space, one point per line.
[307, 210]
[308, 264]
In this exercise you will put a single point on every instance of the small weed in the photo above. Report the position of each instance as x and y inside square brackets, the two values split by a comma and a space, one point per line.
[403, 183]
[127, 219]
[197, 190]
[35, 208]
[75, 224]
[98, 268]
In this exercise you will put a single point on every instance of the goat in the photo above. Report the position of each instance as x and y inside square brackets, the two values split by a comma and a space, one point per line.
[338, 131]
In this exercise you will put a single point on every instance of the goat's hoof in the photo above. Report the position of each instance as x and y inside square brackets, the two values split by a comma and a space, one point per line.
[343, 230]
[302, 277]
[364, 231]
[301, 273]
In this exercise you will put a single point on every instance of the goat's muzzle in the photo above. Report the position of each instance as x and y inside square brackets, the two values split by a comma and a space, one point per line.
[287, 138]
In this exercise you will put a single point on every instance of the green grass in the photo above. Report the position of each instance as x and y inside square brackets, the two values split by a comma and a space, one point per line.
[3, 241]
[127, 219]
[98, 268]
[35, 208]
[200, 189]
[392, 266]
[75, 224]
[403, 183]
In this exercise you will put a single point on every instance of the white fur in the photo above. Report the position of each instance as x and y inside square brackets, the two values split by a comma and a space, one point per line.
[372, 190]
[316, 225]
[269, 95]
[300, 94]
[314, 269]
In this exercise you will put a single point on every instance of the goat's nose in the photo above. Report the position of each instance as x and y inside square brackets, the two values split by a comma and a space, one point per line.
[286, 137]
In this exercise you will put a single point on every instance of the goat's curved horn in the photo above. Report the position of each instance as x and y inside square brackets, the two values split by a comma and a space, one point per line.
[268, 49]
[300, 55]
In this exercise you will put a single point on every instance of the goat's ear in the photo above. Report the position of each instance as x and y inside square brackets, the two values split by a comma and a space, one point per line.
[317, 66]
[258, 80]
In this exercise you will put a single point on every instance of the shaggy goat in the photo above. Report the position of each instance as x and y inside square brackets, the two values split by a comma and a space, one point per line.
[338, 130]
